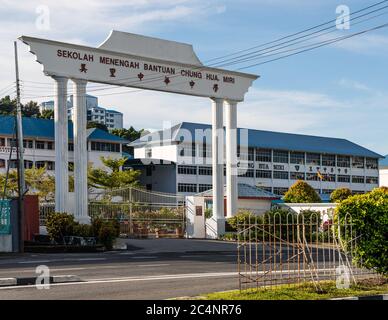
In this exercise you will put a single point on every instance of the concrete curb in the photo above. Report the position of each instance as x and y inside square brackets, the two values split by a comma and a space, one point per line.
[23, 281]
[374, 297]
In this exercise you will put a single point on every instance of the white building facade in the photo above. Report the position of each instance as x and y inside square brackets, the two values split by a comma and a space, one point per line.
[39, 148]
[273, 161]
[95, 113]
[384, 172]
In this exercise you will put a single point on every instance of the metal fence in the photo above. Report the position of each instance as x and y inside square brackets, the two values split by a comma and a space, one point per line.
[289, 248]
[141, 213]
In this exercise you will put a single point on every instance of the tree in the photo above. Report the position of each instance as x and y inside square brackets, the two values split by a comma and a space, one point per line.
[114, 177]
[38, 182]
[130, 134]
[340, 194]
[368, 216]
[7, 106]
[92, 124]
[47, 114]
[301, 192]
[30, 109]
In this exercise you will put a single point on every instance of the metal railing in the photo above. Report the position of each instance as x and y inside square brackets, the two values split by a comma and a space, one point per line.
[139, 212]
[290, 248]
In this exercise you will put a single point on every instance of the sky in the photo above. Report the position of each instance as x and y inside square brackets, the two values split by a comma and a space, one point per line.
[336, 91]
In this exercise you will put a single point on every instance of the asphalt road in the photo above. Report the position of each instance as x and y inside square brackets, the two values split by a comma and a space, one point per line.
[142, 269]
[149, 269]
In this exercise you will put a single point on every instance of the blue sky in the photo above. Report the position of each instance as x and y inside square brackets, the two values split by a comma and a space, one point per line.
[339, 90]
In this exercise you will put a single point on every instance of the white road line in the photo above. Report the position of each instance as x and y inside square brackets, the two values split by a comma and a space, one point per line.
[35, 261]
[149, 278]
[153, 265]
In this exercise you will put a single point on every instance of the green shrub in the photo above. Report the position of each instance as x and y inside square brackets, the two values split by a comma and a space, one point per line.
[229, 236]
[107, 234]
[83, 230]
[301, 192]
[208, 213]
[60, 225]
[368, 214]
[240, 218]
[340, 194]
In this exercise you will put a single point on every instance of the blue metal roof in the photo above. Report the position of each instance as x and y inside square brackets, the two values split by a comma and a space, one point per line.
[44, 129]
[246, 191]
[384, 162]
[270, 140]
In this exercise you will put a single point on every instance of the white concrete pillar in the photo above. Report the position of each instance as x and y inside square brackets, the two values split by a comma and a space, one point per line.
[218, 165]
[61, 145]
[231, 158]
[80, 152]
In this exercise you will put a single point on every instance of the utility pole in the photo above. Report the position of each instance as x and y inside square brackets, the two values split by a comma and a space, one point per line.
[19, 154]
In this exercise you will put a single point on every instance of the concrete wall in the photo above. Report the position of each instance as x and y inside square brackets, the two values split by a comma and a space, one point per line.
[384, 177]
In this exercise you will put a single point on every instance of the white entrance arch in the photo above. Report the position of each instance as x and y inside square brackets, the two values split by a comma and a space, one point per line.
[131, 60]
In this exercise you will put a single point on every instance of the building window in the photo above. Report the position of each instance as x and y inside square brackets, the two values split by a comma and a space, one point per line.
[343, 161]
[282, 175]
[204, 187]
[12, 143]
[148, 171]
[71, 166]
[264, 155]
[328, 160]
[311, 176]
[39, 144]
[343, 178]
[313, 159]
[247, 173]
[13, 164]
[328, 177]
[280, 191]
[371, 163]
[2, 142]
[372, 180]
[264, 174]
[50, 145]
[205, 171]
[28, 164]
[71, 146]
[108, 147]
[187, 170]
[358, 162]
[297, 157]
[187, 187]
[280, 156]
[28, 144]
[358, 179]
[149, 187]
[297, 175]
[2, 163]
[40, 164]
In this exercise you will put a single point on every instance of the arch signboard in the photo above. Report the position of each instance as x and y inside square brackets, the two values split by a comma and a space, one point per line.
[136, 61]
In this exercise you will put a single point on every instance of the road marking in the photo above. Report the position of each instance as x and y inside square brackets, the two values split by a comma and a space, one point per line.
[150, 278]
[153, 265]
[36, 261]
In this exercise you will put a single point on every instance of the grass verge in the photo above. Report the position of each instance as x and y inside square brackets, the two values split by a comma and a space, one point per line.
[305, 291]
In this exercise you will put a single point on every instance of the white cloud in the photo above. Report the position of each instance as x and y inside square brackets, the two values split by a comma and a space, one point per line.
[352, 84]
